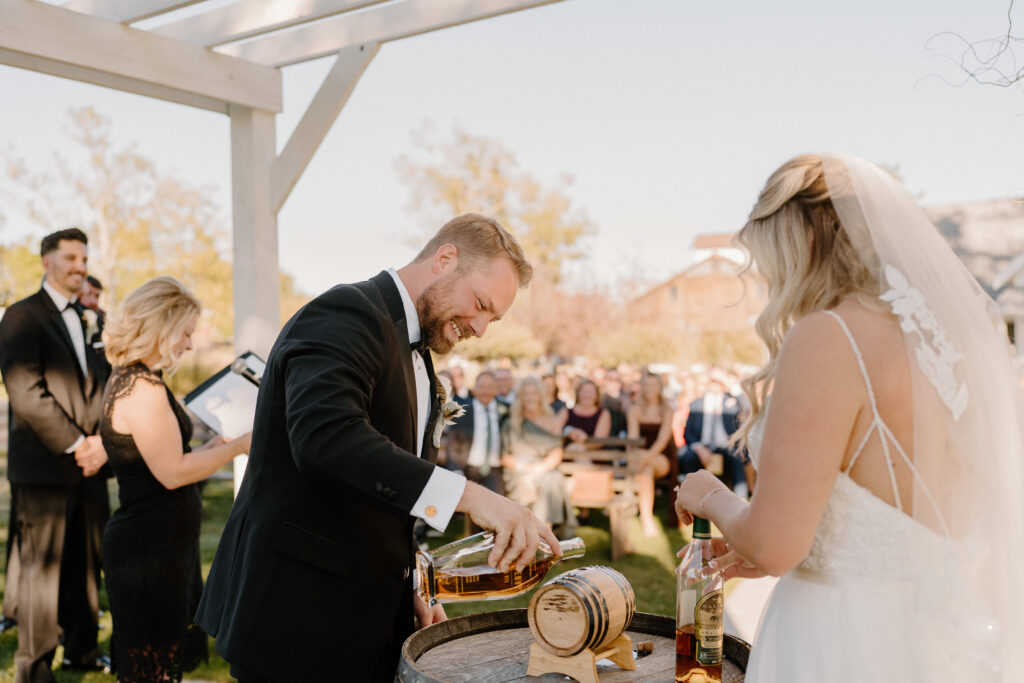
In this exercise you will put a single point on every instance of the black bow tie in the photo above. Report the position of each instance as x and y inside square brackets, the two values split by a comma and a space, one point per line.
[76, 306]
[419, 346]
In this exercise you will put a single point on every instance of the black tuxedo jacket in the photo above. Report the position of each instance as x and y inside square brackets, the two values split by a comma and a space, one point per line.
[695, 421]
[313, 567]
[52, 402]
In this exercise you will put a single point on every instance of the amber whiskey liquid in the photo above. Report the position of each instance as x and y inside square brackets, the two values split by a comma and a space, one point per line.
[688, 669]
[459, 571]
[485, 583]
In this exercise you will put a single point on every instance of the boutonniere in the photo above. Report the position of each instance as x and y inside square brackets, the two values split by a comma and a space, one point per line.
[447, 409]
[92, 323]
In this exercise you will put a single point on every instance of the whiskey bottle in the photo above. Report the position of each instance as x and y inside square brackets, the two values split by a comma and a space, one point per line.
[699, 619]
[459, 571]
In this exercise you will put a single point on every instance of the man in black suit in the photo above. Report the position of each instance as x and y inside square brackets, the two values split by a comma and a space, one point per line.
[713, 419]
[474, 441]
[312, 580]
[54, 380]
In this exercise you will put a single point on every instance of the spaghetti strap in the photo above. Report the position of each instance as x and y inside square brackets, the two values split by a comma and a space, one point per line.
[876, 420]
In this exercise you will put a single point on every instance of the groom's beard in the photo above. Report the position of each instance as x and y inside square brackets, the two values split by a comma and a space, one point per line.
[436, 317]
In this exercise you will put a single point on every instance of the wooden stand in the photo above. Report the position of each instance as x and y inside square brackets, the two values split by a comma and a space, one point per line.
[582, 667]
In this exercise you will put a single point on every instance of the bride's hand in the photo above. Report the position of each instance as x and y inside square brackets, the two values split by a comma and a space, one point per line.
[692, 492]
[729, 563]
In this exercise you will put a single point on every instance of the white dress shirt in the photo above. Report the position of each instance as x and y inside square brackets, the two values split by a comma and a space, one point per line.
[485, 432]
[437, 501]
[74, 325]
[713, 433]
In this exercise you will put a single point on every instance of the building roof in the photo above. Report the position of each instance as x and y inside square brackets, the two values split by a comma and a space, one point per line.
[987, 236]
[718, 241]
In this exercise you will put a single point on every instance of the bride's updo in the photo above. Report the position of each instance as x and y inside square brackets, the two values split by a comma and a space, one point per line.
[795, 240]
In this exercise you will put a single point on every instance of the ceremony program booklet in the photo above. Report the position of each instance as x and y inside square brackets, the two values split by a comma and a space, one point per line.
[226, 402]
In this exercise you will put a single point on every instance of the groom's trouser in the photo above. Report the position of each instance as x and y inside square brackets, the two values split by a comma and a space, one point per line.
[387, 665]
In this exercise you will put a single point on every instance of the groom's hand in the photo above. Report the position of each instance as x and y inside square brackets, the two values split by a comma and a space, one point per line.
[425, 615]
[517, 531]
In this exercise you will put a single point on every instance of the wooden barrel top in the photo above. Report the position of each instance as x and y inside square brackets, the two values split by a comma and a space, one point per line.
[494, 647]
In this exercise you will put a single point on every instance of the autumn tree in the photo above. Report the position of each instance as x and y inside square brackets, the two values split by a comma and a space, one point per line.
[464, 173]
[141, 221]
[21, 271]
[461, 172]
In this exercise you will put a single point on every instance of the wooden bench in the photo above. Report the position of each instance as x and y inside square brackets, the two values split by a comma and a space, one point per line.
[601, 477]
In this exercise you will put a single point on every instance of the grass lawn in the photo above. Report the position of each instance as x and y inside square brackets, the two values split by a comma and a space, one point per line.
[649, 570]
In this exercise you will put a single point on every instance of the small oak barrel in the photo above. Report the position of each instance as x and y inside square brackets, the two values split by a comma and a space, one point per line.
[494, 647]
[587, 607]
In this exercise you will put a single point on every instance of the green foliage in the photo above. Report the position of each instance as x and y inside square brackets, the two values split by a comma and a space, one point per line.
[502, 340]
[21, 271]
[728, 347]
[637, 344]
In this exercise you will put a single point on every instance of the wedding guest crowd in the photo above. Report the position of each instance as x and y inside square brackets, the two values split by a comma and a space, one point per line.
[532, 452]
[650, 419]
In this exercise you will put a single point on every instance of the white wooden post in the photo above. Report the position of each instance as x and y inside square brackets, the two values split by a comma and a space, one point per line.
[257, 290]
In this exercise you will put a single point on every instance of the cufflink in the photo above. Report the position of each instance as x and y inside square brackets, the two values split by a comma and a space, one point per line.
[430, 511]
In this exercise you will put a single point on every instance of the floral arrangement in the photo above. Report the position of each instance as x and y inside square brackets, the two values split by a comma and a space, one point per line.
[448, 410]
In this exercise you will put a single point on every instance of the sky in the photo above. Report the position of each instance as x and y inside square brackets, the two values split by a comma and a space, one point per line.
[668, 115]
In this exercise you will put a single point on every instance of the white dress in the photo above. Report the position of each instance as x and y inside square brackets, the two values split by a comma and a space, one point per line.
[865, 604]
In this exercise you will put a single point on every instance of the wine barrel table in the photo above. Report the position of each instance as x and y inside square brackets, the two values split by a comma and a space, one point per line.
[494, 647]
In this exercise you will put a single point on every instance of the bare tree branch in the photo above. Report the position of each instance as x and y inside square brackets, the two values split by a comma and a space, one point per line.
[993, 61]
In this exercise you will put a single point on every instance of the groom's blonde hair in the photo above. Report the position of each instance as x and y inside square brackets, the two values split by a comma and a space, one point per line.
[794, 237]
[478, 238]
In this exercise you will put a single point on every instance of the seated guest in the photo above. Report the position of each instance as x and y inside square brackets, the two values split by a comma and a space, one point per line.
[713, 419]
[531, 453]
[650, 419]
[506, 386]
[587, 418]
[550, 386]
[459, 387]
[474, 442]
[615, 401]
[151, 544]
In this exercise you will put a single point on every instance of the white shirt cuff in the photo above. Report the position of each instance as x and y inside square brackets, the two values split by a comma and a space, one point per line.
[74, 447]
[437, 501]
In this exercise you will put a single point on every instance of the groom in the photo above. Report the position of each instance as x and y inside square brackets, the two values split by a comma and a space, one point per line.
[312, 576]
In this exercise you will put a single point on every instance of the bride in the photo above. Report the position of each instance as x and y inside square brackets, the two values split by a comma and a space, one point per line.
[886, 428]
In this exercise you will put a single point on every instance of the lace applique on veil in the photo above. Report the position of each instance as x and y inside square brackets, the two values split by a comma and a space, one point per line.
[936, 356]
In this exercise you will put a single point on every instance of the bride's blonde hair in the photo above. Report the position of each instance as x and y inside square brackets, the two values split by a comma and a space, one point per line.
[153, 317]
[794, 237]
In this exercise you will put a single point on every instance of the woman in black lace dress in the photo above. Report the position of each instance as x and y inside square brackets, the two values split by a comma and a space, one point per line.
[151, 544]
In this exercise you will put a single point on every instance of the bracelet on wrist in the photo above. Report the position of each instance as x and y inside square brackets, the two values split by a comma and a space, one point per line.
[710, 493]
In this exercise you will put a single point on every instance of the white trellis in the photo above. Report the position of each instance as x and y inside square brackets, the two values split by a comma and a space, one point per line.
[228, 59]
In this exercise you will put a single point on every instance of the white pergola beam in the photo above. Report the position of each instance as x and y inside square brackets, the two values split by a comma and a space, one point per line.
[126, 11]
[318, 119]
[59, 38]
[256, 277]
[77, 73]
[253, 17]
[390, 22]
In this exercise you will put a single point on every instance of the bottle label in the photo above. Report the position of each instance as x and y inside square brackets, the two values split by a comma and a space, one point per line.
[708, 629]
